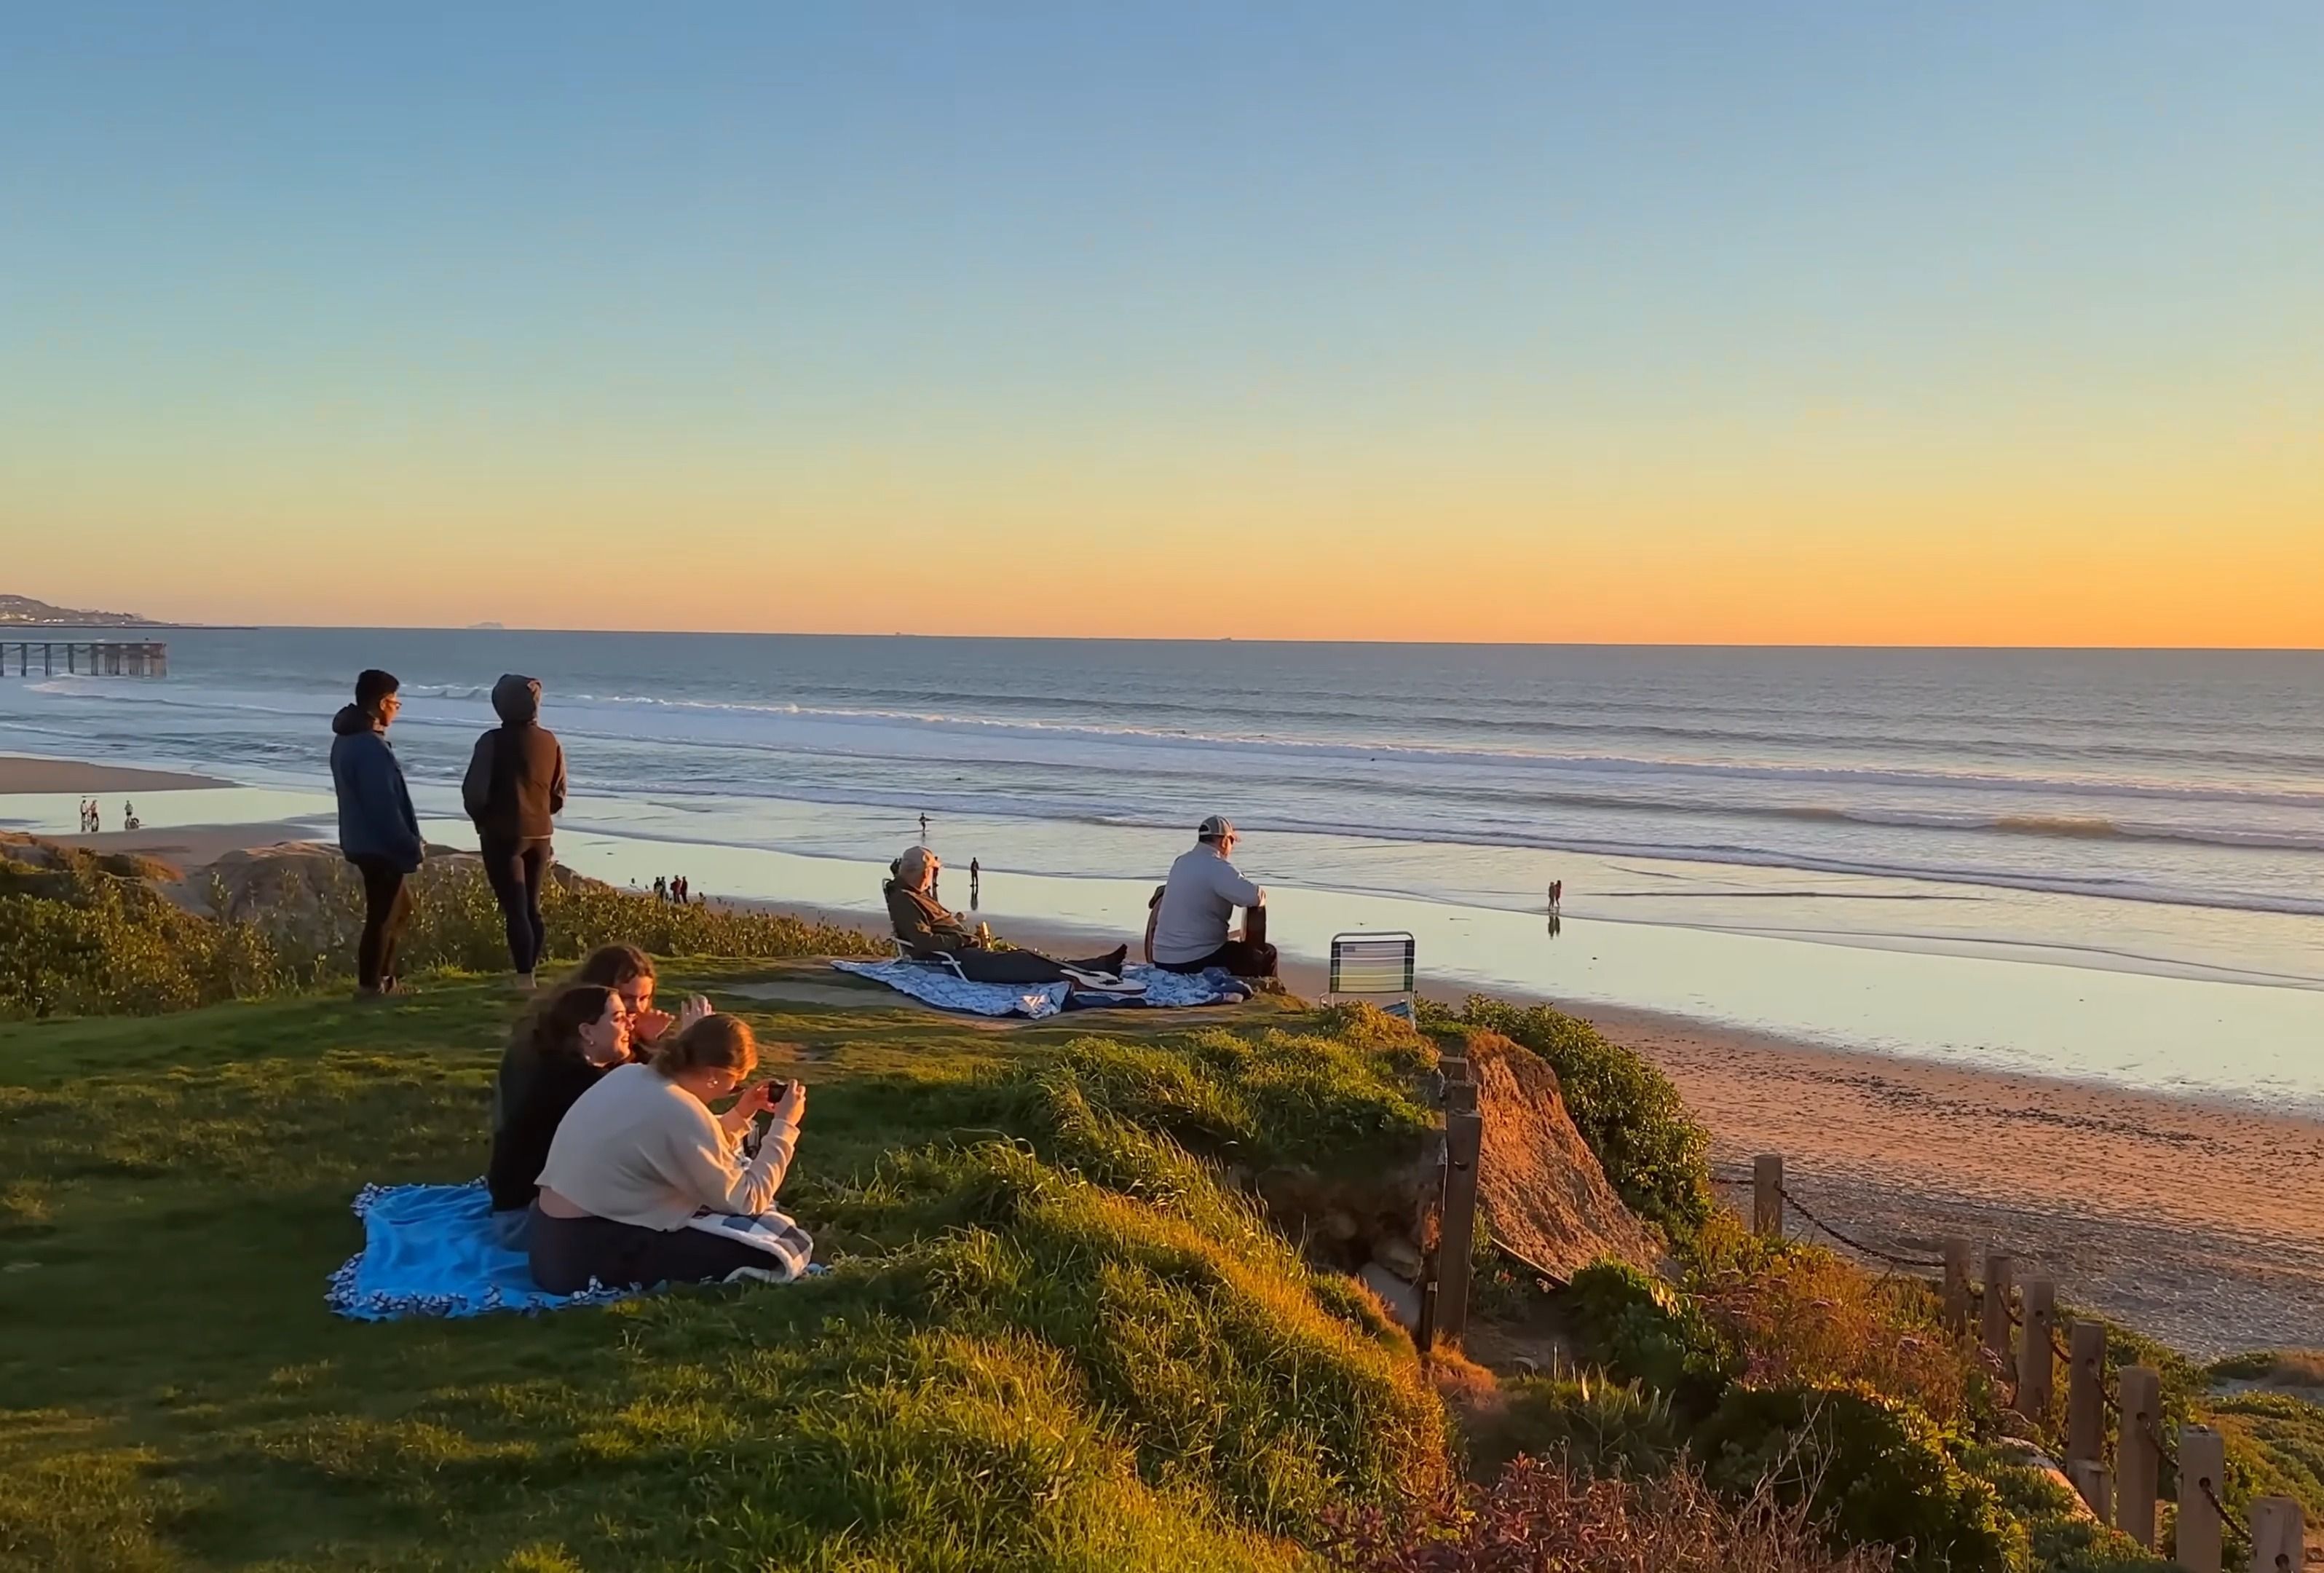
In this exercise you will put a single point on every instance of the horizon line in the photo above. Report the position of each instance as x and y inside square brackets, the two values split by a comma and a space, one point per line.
[1191, 639]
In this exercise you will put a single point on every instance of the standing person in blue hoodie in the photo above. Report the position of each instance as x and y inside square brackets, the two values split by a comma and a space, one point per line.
[378, 831]
[514, 787]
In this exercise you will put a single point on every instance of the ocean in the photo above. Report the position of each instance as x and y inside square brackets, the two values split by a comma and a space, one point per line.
[2107, 821]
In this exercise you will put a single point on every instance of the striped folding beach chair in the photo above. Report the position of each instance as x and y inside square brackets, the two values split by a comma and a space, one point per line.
[1367, 966]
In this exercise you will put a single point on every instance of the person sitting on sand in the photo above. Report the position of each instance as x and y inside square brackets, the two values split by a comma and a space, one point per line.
[926, 928]
[1191, 921]
[629, 972]
[641, 1153]
[560, 1050]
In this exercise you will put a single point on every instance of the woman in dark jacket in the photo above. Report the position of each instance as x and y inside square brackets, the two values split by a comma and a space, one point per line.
[559, 1053]
[378, 831]
[514, 787]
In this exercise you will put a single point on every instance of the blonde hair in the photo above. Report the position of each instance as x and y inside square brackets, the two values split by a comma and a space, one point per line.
[723, 1042]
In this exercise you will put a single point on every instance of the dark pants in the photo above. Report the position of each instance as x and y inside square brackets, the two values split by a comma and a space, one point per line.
[386, 906]
[516, 869]
[568, 1253]
[1015, 967]
[1239, 957]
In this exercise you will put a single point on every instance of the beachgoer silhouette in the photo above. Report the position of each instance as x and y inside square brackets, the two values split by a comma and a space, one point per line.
[924, 827]
[128, 815]
[976, 878]
[662, 888]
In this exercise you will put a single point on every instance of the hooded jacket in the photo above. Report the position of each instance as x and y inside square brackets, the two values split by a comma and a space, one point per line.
[375, 817]
[515, 783]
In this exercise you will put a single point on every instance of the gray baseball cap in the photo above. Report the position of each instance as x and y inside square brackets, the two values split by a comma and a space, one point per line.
[1216, 827]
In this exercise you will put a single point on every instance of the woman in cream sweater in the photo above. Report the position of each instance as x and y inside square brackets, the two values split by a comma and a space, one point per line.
[641, 1152]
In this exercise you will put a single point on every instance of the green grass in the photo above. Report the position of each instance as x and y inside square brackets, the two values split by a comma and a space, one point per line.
[1053, 1341]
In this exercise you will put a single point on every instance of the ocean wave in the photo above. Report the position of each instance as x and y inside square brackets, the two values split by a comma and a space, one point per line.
[1427, 754]
[587, 715]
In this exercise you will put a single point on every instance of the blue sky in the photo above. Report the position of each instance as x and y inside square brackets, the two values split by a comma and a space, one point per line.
[269, 276]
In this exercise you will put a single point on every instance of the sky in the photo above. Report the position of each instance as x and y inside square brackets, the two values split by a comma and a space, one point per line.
[1684, 323]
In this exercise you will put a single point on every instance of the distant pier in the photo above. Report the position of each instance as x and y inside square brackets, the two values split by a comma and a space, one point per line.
[83, 658]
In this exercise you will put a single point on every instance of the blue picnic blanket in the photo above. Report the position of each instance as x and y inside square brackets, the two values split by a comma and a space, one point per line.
[947, 990]
[431, 1251]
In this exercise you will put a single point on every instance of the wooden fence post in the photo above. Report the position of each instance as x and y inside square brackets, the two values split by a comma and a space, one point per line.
[2203, 1474]
[2096, 1483]
[2137, 1460]
[2279, 1535]
[1999, 1271]
[1956, 1260]
[2086, 1395]
[1464, 1136]
[2034, 1386]
[1767, 1196]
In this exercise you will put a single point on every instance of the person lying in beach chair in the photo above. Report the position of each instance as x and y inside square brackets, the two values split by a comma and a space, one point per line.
[927, 932]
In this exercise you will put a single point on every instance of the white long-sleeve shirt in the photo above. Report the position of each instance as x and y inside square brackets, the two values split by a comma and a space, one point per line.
[639, 1148]
[1198, 904]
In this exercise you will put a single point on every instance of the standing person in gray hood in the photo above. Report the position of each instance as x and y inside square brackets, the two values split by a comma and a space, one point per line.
[378, 831]
[514, 787]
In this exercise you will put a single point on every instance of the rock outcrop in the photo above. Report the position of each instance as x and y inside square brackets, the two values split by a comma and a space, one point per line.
[1540, 1188]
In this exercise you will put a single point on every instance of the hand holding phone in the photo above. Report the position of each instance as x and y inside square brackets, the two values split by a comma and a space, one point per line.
[786, 1101]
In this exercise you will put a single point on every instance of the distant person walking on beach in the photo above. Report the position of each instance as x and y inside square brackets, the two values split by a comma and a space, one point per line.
[1191, 920]
[514, 788]
[662, 888]
[975, 879]
[378, 831]
[129, 816]
[924, 827]
[1556, 894]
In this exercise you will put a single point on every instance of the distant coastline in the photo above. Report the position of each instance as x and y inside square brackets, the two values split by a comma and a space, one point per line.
[26, 612]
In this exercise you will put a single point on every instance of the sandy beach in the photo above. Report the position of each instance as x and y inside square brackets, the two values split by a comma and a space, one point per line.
[18, 774]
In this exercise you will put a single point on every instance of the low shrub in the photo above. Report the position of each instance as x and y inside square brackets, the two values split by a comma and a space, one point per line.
[1870, 1470]
[1597, 1425]
[1802, 1316]
[1542, 1516]
[1653, 1151]
[113, 947]
[1638, 1329]
[2060, 1536]
[80, 936]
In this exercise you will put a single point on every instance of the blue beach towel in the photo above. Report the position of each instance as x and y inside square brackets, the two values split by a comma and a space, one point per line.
[432, 1251]
[948, 991]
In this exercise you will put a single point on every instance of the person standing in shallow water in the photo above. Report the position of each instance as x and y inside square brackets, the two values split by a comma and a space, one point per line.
[975, 880]
[378, 831]
[514, 788]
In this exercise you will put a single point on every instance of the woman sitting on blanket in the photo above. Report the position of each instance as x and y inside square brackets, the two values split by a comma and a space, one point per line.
[560, 1050]
[641, 1153]
[629, 972]
[925, 928]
